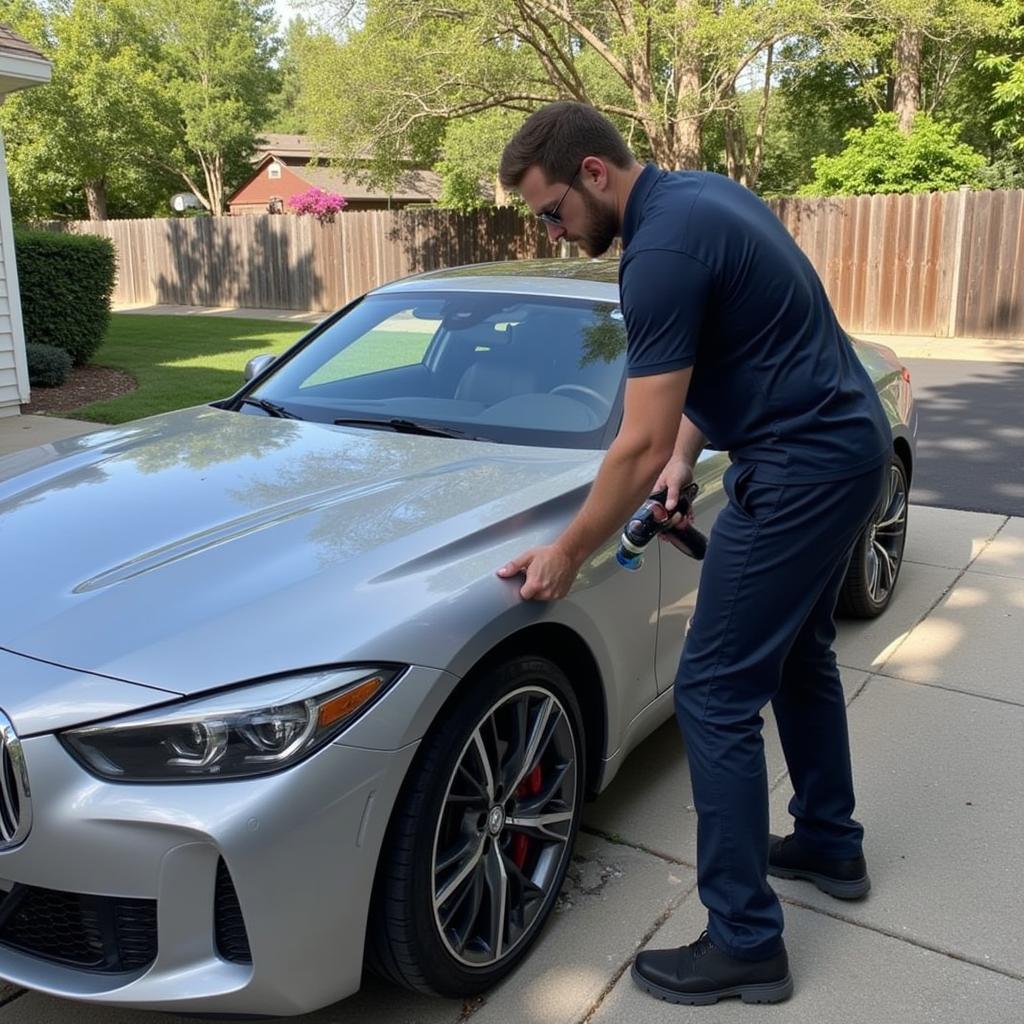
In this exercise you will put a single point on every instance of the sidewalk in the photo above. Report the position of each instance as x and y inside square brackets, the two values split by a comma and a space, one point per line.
[248, 312]
[20, 432]
[936, 707]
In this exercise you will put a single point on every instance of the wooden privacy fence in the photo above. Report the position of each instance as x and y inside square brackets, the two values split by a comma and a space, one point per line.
[288, 262]
[944, 263]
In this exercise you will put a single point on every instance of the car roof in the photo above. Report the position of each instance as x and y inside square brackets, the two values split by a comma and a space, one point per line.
[566, 278]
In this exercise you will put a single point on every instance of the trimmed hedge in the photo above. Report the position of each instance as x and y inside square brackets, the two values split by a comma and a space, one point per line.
[65, 282]
[48, 366]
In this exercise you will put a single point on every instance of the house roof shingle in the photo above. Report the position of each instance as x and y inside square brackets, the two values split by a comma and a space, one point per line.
[283, 145]
[412, 186]
[11, 43]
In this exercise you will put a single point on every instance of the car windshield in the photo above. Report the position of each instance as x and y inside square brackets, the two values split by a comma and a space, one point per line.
[508, 368]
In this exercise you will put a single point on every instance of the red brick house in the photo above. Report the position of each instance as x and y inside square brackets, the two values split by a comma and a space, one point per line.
[287, 165]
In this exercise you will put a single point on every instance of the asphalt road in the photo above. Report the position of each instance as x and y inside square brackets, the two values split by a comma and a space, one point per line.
[970, 435]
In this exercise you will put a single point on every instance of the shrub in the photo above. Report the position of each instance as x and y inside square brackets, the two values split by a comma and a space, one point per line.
[48, 366]
[881, 159]
[65, 282]
[318, 203]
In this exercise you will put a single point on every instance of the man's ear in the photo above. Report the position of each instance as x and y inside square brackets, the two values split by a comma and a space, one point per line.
[595, 171]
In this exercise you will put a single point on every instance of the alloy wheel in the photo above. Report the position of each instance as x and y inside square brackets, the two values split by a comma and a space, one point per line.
[887, 536]
[505, 827]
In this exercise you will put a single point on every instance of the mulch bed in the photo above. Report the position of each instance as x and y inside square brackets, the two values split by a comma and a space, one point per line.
[86, 384]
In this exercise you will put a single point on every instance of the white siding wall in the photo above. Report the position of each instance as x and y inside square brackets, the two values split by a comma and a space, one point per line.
[13, 372]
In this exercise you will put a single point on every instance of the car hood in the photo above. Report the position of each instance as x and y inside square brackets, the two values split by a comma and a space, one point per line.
[205, 547]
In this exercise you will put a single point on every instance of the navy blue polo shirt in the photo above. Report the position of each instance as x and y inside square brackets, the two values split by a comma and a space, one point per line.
[710, 278]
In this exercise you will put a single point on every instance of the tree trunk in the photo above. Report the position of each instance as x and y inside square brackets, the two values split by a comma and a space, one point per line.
[214, 183]
[754, 174]
[686, 127]
[96, 198]
[686, 154]
[735, 146]
[906, 96]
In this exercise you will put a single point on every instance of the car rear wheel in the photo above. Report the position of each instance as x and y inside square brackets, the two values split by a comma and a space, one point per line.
[878, 553]
[482, 834]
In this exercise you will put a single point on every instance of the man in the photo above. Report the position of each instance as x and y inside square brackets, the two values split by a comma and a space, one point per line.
[728, 325]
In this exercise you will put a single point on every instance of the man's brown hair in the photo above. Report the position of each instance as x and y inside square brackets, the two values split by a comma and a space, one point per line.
[557, 138]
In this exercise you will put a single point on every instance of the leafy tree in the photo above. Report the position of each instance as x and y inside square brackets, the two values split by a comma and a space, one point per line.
[74, 144]
[1003, 62]
[470, 149]
[812, 110]
[658, 68]
[931, 40]
[882, 159]
[286, 113]
[217, 71]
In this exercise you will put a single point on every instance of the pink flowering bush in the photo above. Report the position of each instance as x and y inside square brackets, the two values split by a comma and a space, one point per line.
[318, 203]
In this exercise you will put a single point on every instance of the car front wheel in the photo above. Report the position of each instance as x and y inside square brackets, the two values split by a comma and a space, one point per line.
[878, 553]
[482, 834]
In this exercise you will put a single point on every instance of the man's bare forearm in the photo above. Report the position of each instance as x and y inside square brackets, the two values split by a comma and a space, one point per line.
[690, 442]
[622, 483]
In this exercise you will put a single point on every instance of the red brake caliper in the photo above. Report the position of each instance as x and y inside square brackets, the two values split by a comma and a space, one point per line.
[530, 786]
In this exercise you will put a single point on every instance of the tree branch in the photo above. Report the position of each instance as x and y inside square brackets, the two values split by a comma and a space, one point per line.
[565, 15]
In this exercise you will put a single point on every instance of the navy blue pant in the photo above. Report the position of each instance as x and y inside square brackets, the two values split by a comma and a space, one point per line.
[763, 631]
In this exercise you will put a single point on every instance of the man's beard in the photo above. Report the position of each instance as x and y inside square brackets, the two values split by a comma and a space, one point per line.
[602, 229]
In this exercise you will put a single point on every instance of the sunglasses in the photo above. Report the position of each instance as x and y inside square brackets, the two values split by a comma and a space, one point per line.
[553, 216]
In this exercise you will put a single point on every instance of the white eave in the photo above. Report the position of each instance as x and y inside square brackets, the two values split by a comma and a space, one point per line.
[21, 72]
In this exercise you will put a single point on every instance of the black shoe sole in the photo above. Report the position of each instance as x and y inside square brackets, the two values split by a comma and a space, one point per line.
[769, 992]
[854, 889]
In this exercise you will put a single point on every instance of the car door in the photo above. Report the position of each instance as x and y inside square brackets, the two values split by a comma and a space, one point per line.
[680, 575]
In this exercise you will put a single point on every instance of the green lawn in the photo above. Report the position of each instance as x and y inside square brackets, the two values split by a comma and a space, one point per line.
[181, 360]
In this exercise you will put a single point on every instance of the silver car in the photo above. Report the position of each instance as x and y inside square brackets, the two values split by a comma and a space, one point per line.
[268, 713]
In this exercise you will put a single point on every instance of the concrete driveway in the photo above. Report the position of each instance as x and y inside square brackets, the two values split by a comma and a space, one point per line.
[936, 706]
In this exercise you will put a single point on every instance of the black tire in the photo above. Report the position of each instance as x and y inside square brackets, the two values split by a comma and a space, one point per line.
[878, 554]
[438, 811]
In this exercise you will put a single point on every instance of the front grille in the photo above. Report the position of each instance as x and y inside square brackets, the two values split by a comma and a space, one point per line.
[96, 933]
[15, 798]
[229, 928]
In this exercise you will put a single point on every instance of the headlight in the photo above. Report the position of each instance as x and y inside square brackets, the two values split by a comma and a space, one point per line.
[233, 734]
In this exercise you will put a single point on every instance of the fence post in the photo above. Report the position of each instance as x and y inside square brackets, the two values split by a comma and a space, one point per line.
[958, 262]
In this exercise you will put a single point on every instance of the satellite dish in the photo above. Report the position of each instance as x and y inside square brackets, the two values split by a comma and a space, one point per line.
[182, 201]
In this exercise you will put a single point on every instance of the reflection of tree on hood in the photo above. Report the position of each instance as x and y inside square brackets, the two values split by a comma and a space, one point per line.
[210, 438]
[604, 340]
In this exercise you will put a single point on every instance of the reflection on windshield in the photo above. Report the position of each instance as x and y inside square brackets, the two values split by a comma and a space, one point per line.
[509, 368]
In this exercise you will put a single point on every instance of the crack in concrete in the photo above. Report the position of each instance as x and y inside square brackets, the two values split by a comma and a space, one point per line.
[644, 939]
[878, 673]
[614, 837]
[920, 944]
[949, 689]
[618, 840]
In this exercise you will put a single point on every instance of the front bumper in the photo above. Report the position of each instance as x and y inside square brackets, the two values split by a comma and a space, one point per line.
[301, 848]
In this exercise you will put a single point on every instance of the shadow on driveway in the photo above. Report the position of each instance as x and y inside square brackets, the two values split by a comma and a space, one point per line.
[970, 438]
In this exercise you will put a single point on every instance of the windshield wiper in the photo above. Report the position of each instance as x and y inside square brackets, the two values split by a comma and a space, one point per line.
[401, 426]
[271, 408]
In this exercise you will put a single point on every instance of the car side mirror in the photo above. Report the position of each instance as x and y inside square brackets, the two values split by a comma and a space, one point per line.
[257, 365]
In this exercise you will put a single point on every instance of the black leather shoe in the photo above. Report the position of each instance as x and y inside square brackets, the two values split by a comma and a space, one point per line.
[845, 879]
[700, 974]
